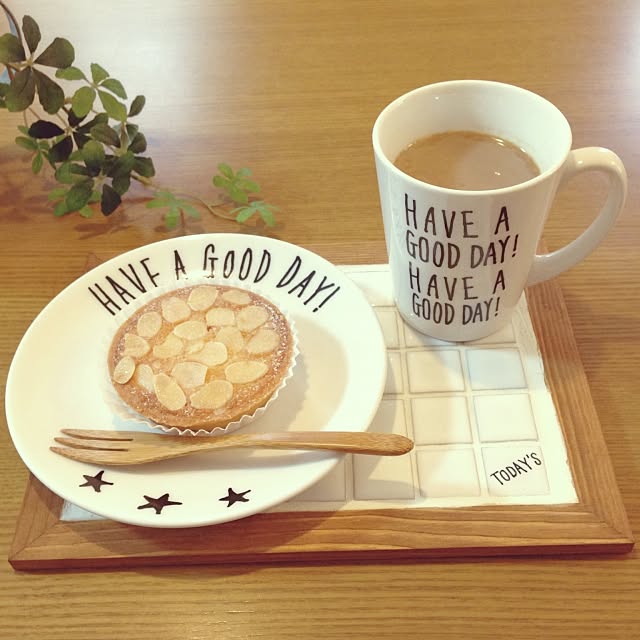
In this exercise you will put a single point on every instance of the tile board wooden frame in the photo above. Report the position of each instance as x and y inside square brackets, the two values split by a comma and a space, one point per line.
[596, 523]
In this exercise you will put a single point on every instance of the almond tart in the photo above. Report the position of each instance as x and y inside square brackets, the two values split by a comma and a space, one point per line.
[201, 357]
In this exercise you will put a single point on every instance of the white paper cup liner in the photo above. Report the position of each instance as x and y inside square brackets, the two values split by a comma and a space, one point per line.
[123, 411]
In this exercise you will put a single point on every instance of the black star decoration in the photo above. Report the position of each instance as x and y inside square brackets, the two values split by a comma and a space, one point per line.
[232, 497]
[158, 503]
[95, 481]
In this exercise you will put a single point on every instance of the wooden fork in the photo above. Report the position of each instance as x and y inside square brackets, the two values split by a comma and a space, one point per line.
[133, 447]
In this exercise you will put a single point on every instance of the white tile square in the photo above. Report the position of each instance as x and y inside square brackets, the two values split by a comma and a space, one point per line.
[515, 470]
[393, 383]
[385, 478]
[504, 418]
[413, 338]
[440, 420]
[388, 320]
[448, 473]
[432, 371]
[495, 369]
[330, 488]
[506, 334]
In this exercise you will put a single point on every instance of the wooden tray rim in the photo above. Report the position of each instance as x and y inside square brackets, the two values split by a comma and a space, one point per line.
[596, 524]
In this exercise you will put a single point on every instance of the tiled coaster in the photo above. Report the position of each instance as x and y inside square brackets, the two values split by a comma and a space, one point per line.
[480, 414]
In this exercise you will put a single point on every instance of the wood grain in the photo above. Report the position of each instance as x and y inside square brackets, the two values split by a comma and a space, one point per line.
[291, 90]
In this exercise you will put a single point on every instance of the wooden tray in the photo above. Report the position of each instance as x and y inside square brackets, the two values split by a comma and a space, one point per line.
[597, 523]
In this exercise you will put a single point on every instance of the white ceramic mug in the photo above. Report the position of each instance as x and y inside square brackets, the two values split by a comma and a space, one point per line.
[460, 260]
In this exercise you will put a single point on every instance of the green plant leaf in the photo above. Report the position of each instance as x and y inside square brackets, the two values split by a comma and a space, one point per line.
[131, 130]
[31, 32]
[57, 193]
[259, 207]
[121, 183]
[189, 209]
[266, 213]
[50, 93]
[82, 101]
[61, 209]
[137, 106]
[58, 54]
[226, 170]
[122, 165]
[44, 129]
[138, 143]
[80, 170]
[104, 133]
[110, 200]
[93, 155]
[238, 195]
[115, 86]
[171, 218]
[10, 49]
[37, 162]
[86, 211]
[243, 213]
[221, 182]
[70, 73]
[157, 203]
[144, 167]
[80, 139]
[114, 109]
[27, 143]
[79, 194]
[63, 173]
[22, 91]
[246, 185]
[61, 151]
[243, 172]
[98, 74]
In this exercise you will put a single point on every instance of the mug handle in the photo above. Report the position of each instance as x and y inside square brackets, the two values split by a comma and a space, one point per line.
[549, 265]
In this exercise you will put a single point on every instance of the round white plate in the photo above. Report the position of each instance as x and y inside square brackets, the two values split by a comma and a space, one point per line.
[57, 375]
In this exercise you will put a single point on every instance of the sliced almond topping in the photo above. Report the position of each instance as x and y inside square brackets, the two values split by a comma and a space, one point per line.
[143, 377]
[194, 347]
[172, 346]
[220, 316]
[149, 324]
[191, 330]
[250, 318]
[231, 337]
[175, 309]
[201, 298]
[189, 374]
[212, 354]
[245, 371]
[213, 395]
[168, 392]
[264, 341]
[135, 346]
[123, 371]
[234, 296]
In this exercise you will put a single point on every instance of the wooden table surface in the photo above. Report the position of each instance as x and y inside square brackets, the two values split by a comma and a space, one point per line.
[291, 90]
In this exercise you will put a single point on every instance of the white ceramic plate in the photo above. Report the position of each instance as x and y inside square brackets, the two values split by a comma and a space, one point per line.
[55, 378]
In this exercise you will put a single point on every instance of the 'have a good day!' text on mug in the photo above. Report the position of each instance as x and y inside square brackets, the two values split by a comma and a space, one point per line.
[433, 291]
